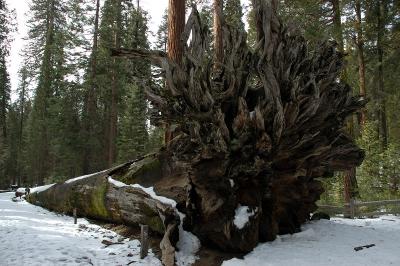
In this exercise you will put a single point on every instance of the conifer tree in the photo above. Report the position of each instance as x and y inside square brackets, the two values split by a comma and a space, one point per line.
[133, 137]
[6, 28]
[162, 33]
[233, 14]
[91, 125]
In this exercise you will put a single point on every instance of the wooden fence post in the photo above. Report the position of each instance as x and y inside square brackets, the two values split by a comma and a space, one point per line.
[144, 241]
[75, 216]
[352, 208]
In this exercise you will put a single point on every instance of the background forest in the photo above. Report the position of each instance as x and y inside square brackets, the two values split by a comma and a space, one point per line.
[78, 110]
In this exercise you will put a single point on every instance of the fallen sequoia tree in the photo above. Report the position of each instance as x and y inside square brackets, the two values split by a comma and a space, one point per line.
[254, 136]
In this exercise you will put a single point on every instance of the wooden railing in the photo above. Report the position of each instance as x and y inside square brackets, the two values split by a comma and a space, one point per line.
[353, 209]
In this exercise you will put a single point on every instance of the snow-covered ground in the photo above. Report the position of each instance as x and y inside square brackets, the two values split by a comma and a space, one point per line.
[332, 243]
[30, 235]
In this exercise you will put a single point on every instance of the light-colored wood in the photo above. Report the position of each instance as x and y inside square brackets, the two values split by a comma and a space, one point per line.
[353, 209]
[75, 216]
[378, 203]
[144, 240]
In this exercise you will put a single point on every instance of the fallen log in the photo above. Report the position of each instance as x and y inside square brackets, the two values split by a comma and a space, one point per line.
[95, 197]
[100, 197]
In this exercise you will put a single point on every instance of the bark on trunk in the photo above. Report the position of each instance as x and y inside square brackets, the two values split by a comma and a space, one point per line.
[176, 25]
[218, 40]
[337, 24]
[361, 61]
[383, 134]
[90, 99]
[114, 91]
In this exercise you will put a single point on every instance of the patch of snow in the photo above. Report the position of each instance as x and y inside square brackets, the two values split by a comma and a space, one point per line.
[188, 246]
[83, 177]
[21, 190]
[116, 182]
[232, 182]
[152, 194]
[252, 114]
[41, 188]
[242, 215]
[331, 243]
[34, 236]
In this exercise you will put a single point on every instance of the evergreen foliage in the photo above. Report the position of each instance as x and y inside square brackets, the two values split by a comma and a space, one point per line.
[6, 29]
[233, 14]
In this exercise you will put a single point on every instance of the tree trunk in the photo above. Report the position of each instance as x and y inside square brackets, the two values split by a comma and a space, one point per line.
[21, 122]
[383, 133]
[112, 137]
[349, 176]
[45, 89]
[337, 24]
[91, 98]
[98, 197]
[361, 60]
[218, 40]
[176, 25]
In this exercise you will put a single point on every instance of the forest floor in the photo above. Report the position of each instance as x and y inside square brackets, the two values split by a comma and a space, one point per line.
[30, 235]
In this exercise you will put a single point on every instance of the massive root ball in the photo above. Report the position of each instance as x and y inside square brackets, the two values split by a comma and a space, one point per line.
[256, 131]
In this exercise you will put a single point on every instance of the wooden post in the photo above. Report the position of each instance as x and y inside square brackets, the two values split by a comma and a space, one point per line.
[144, 241]
[75, 217]
[352, 208]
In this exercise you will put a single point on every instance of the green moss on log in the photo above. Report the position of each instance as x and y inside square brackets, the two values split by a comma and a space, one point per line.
[152, 218]
[98, 198]
[145, 172]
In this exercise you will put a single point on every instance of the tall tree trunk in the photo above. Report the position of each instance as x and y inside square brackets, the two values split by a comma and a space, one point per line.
[361, 60]
[218, 43]
[46, 91]
[90, 104]
[349, 176]
[176, 25]
[21, 124]
[337, 24]
[383, 134]
[3, 106]
[114, 92]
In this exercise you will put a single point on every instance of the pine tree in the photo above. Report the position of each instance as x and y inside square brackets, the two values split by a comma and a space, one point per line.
[109, 74]
[233, 14]
[22, 108]
[90, 133]
[133, 137]
[6, 28]
[56, 41]
[162, 33]
[5, 39]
